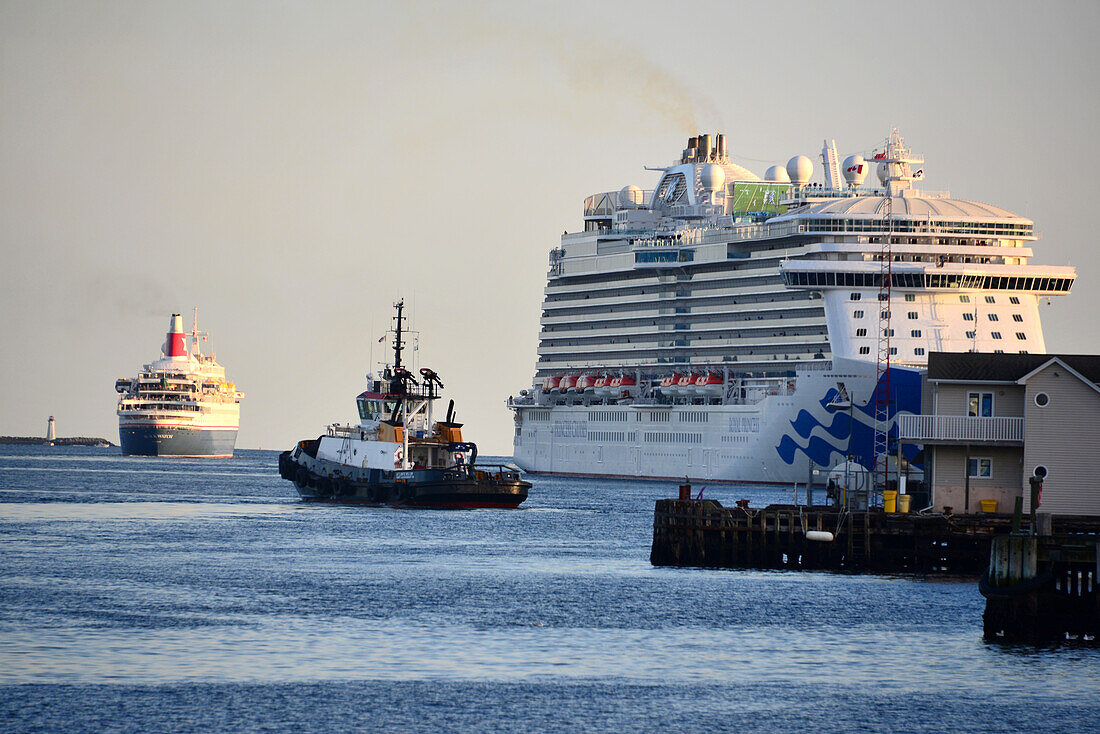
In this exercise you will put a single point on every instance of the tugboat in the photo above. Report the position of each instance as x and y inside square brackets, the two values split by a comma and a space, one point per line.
[398, 455]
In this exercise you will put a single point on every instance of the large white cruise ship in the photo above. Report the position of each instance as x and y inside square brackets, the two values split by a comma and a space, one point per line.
[727, 328]
[181, 404]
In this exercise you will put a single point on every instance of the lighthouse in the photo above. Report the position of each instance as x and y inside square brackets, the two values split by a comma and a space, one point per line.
[51, 431]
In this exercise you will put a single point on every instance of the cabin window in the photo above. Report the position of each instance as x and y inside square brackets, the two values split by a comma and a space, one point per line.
[912, 314]
[861, 332]
[993, 317]
[910, 297]
[990, 299]
[980, 469]
[864, 350]
[856, 296]
[1021, 335]
[362, 407]
[980, 404]
[1017, 317]
[915, 333]
[1015, 300]
[964, 299]
[1041, 399]
[857, 314]
[919, 351]
[968, 316]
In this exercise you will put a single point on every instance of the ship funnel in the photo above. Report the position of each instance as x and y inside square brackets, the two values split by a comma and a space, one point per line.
[721, 146]
[704, 148]
[175, 345]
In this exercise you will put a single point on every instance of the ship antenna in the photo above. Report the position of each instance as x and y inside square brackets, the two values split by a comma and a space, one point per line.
[400, 305]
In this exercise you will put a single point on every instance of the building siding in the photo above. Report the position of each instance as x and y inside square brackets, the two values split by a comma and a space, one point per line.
[1063, 437]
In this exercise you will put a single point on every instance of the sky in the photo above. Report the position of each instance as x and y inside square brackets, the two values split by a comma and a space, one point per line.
[293, 168]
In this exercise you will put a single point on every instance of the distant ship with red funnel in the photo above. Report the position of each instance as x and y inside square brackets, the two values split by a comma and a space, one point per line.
[181, 404]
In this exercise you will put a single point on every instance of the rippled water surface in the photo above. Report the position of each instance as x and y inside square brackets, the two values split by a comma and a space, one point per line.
[154, 594]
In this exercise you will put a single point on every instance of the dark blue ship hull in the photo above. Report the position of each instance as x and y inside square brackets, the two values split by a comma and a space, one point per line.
[172, 441]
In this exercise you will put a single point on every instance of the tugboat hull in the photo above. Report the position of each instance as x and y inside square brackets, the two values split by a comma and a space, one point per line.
[318, 480]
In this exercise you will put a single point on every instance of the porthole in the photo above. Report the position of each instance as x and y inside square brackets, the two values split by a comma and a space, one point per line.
[1041, 399]
[1040, 472]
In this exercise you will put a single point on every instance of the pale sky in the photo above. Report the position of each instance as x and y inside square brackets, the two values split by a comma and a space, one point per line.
[292, 168]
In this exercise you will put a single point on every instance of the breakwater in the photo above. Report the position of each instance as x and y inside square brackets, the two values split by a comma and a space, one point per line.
[69, 441]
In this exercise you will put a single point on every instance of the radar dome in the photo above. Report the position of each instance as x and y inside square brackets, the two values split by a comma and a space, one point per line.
[855, 170]
[630, 197]
[713, 177]
[881, 173]
[800, 168]
[777, 173]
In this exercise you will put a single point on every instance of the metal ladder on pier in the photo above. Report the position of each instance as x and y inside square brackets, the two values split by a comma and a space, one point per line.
[859, 540]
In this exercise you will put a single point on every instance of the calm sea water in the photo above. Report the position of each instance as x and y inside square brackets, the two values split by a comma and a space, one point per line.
[160, 595]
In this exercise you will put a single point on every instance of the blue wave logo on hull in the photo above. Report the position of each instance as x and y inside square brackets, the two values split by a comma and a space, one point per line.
[820, 441]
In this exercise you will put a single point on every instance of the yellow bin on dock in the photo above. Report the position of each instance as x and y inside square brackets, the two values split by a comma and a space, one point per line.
[989, 506]
[890, 500]
[903, 503]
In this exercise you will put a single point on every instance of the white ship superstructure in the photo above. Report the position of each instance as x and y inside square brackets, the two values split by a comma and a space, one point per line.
[725, 327]
[181, 404]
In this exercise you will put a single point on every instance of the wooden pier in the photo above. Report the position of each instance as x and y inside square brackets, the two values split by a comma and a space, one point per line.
[690, 532]
[1042, 589]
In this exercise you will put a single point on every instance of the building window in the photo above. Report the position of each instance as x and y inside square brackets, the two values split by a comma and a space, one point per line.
[1021, 335]
[857, 315]
[919, 351]
[1014, 300]
[856, 296]
[885, 314]
[968, 316]
[996, 335]
[964, 299]
[910, 297]
[1041, 399]
[970, 334]
[1017, 317]
[993, 317]
[887, 332]
[990, 299]
[915, 332]
[912, 314]
[979, 404]
[893, 350]
[980, 469]
[861, 332]
[998, 351]
[864, 350]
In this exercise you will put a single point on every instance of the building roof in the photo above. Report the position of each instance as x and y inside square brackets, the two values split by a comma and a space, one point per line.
[983, 367]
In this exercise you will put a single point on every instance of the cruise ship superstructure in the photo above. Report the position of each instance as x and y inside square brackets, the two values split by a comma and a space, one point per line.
[181, 404]
[729, 328]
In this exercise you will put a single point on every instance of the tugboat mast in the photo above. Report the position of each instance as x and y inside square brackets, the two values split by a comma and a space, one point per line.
[397, 341]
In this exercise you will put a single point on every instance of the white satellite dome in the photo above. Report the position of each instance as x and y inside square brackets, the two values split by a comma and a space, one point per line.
[880, 171]
[800, 168]
[777, 173]
[713, 177]
[855, 170]
[630, 197]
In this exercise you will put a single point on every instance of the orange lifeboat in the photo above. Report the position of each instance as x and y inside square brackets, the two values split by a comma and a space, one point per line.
[668, 383]
[602, 386]
[550, 384]
[586, 383]
[686, 384]
[626, 386]
[710, 384]
[568, 383]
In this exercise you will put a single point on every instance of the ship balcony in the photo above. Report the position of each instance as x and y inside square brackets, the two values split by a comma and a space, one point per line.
[961, 429]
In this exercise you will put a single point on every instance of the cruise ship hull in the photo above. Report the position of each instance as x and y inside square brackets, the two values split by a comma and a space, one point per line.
[769, 442]
[165, 440]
